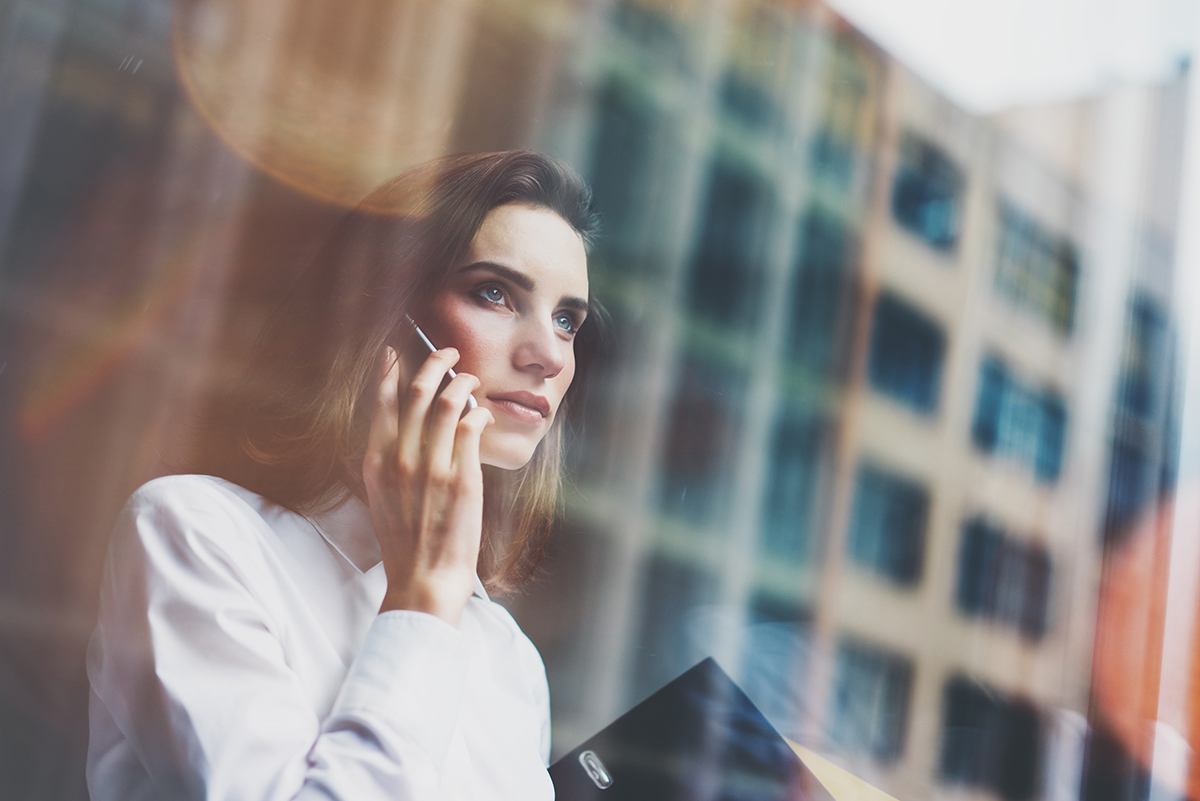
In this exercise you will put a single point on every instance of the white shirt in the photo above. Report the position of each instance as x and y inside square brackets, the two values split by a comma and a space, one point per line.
[239, 654]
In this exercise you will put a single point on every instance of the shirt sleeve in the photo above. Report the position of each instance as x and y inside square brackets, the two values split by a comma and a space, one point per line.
[541, 695]
[188, 663]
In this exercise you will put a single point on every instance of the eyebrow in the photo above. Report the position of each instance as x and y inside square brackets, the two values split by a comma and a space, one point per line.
[524, 282]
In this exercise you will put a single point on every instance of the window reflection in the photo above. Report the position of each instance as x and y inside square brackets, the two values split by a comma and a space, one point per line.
[1035, 268]
[1142, 455]
[702, 434]
[927, 192]
[727, 271]
[1015, 420]
[675, 632]
[623, 137]
[907, 349]
[870, 701]
[1003, 579]
[791, 502]
[887, 530]
[821, 278]
[775, 660]
[990, 740]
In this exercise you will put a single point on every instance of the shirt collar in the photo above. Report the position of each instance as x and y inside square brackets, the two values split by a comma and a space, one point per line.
[347, 528]
[348, 531]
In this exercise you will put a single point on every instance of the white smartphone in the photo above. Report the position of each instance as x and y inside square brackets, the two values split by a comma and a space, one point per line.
[471, 402]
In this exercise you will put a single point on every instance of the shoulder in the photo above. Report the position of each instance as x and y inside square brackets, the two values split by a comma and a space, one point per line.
[180, 492]
[191, 512]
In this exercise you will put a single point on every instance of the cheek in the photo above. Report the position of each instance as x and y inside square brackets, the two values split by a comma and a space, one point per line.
[476, 335]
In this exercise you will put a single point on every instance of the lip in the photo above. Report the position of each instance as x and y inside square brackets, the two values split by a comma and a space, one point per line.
[524, 406]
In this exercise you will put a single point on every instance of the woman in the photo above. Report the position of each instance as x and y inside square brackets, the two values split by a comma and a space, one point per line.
[315, 623]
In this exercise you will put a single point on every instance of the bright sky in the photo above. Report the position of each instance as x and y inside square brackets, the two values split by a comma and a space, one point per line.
[988, 54]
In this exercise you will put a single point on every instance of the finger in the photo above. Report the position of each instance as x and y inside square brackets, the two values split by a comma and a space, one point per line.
[443, 421]
[420, 395]
[384, 419]
[466, 441]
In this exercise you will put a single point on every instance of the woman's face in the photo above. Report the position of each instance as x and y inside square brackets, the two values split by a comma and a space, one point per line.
[511, 308]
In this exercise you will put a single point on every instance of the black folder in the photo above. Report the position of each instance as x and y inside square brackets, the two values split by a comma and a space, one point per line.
[697, 739]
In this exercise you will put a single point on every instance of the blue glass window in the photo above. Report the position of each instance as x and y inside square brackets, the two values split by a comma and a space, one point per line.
[1131, 474]
[671, 592]
[775, 656]
[727, 271]
[1003, 579]
[870, 701]
[1145, 358]
[815, 322]
[791, 488]
[887, 525]
[749, 102]
[1018, 421]
[927, 192]
[1036, 268]
[1144, 438]
[704, 422]
[832, 159]
[907, 349]
[989, 740]
[654, 32]
[620, 164]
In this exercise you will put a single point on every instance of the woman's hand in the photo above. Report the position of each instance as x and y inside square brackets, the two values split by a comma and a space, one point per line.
[425, 487]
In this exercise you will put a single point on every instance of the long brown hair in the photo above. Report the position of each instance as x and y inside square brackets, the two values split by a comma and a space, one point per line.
[300, 419]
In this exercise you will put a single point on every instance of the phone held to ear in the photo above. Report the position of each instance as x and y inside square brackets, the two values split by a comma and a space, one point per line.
[471, 402]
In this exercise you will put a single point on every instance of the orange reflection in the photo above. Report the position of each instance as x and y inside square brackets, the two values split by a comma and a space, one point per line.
[1143, 677]
[329, 97]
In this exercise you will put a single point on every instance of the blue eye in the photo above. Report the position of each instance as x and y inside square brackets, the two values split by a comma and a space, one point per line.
[566, 323]
[492, 294]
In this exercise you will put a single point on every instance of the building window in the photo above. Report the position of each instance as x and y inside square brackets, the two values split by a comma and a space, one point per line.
[756, 73]
[887, 525]
[1018, 421]
[749, 102]
[832, 159]
[1035, 268]
[672, 593]
[1132, 479]
[907, 349]
[1003, 579]
[655, 33]
[825, 250]
[620, 169]
[791, 484]
[926, 195]
[1144, 433]
[775, 656]
[701, 439]
[870, 701]
[1144, 361]
[847, 126]
[727, 271]
[989, 740]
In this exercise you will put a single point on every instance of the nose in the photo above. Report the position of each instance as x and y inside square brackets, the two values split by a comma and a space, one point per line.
[539, 349]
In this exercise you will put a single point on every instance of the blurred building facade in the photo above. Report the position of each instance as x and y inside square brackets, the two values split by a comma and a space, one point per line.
[887, 378]
[888, 370]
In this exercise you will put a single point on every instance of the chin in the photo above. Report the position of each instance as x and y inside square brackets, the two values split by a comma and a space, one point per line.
[503, 463]
[506, 455]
